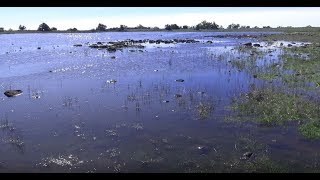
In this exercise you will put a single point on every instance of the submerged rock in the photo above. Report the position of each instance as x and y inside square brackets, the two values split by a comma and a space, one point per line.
[77, 45]
[256, 45]
[180, 80]
[203, 150]
[112, 81]
[11, 93]
[246, 156]
[178, 95]
[248, 44]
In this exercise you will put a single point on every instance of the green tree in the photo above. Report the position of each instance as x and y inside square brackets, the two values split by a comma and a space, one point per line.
[170, 27]
[72, 29]
[54, 29]
[207, 25]
[233, 26]
[123, 27]
[101, 27]
[1, 29]
[185, 27]
[44, 27]
[21, 27]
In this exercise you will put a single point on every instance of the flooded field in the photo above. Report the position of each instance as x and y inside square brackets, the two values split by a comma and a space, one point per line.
[189, 102]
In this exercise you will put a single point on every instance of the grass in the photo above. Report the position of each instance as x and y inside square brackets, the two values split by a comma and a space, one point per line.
[268, 76]
[295, 34]
[311, 130]
[264, 164]
[204, 110]
[270, 107]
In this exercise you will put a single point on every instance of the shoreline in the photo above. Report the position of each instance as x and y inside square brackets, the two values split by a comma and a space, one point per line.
[285, 30]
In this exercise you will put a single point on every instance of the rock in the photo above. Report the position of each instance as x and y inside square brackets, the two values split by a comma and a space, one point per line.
[255, 76]
[179, 80]
[178, 95]
[112, 81]
[165, 101]
[156, 70]
[111, 49]
[203, 150]
[165, 141]
[248, 44]
[246, 156]
[39, 47]
[289, 45]
[256, 45]
[140, 50]
[113, 57]
[77, 45]
[209, 42]
[281, 44]
[12, 93]
[251, 54]
[131, 50]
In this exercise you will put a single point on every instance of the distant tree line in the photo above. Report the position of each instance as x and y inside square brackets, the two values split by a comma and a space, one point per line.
[204, 25]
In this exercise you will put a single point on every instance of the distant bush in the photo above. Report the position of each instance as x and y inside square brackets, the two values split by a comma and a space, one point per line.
[141, 27]
[207, 25]
[123, 27]
[21, 28]
[185, 27]
[245, 27]
[101, 27]
[233, 26]
[54, 29]
[72, 29]
[170, 27]
[1, 29]
[44, 27]
[266, 27]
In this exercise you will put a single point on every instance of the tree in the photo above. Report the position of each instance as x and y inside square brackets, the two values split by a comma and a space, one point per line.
[44, 27]
[155, 28]
[171, 27]
[141, 27]
[54, 29]
[207, 25]
[185, 27]
[1, 29]
[123, 27]
[101, 27]
[21, 28]
[72, 29]
[233, 26]
[266, 27]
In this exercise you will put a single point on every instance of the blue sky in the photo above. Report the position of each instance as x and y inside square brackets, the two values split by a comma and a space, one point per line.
[88, 17]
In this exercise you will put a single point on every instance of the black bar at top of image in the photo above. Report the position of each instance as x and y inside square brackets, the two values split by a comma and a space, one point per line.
[159, 3]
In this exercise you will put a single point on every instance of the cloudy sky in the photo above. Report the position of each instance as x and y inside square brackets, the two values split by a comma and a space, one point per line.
[88, 17]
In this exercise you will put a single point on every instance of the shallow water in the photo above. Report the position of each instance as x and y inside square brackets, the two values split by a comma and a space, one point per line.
[70, 119]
